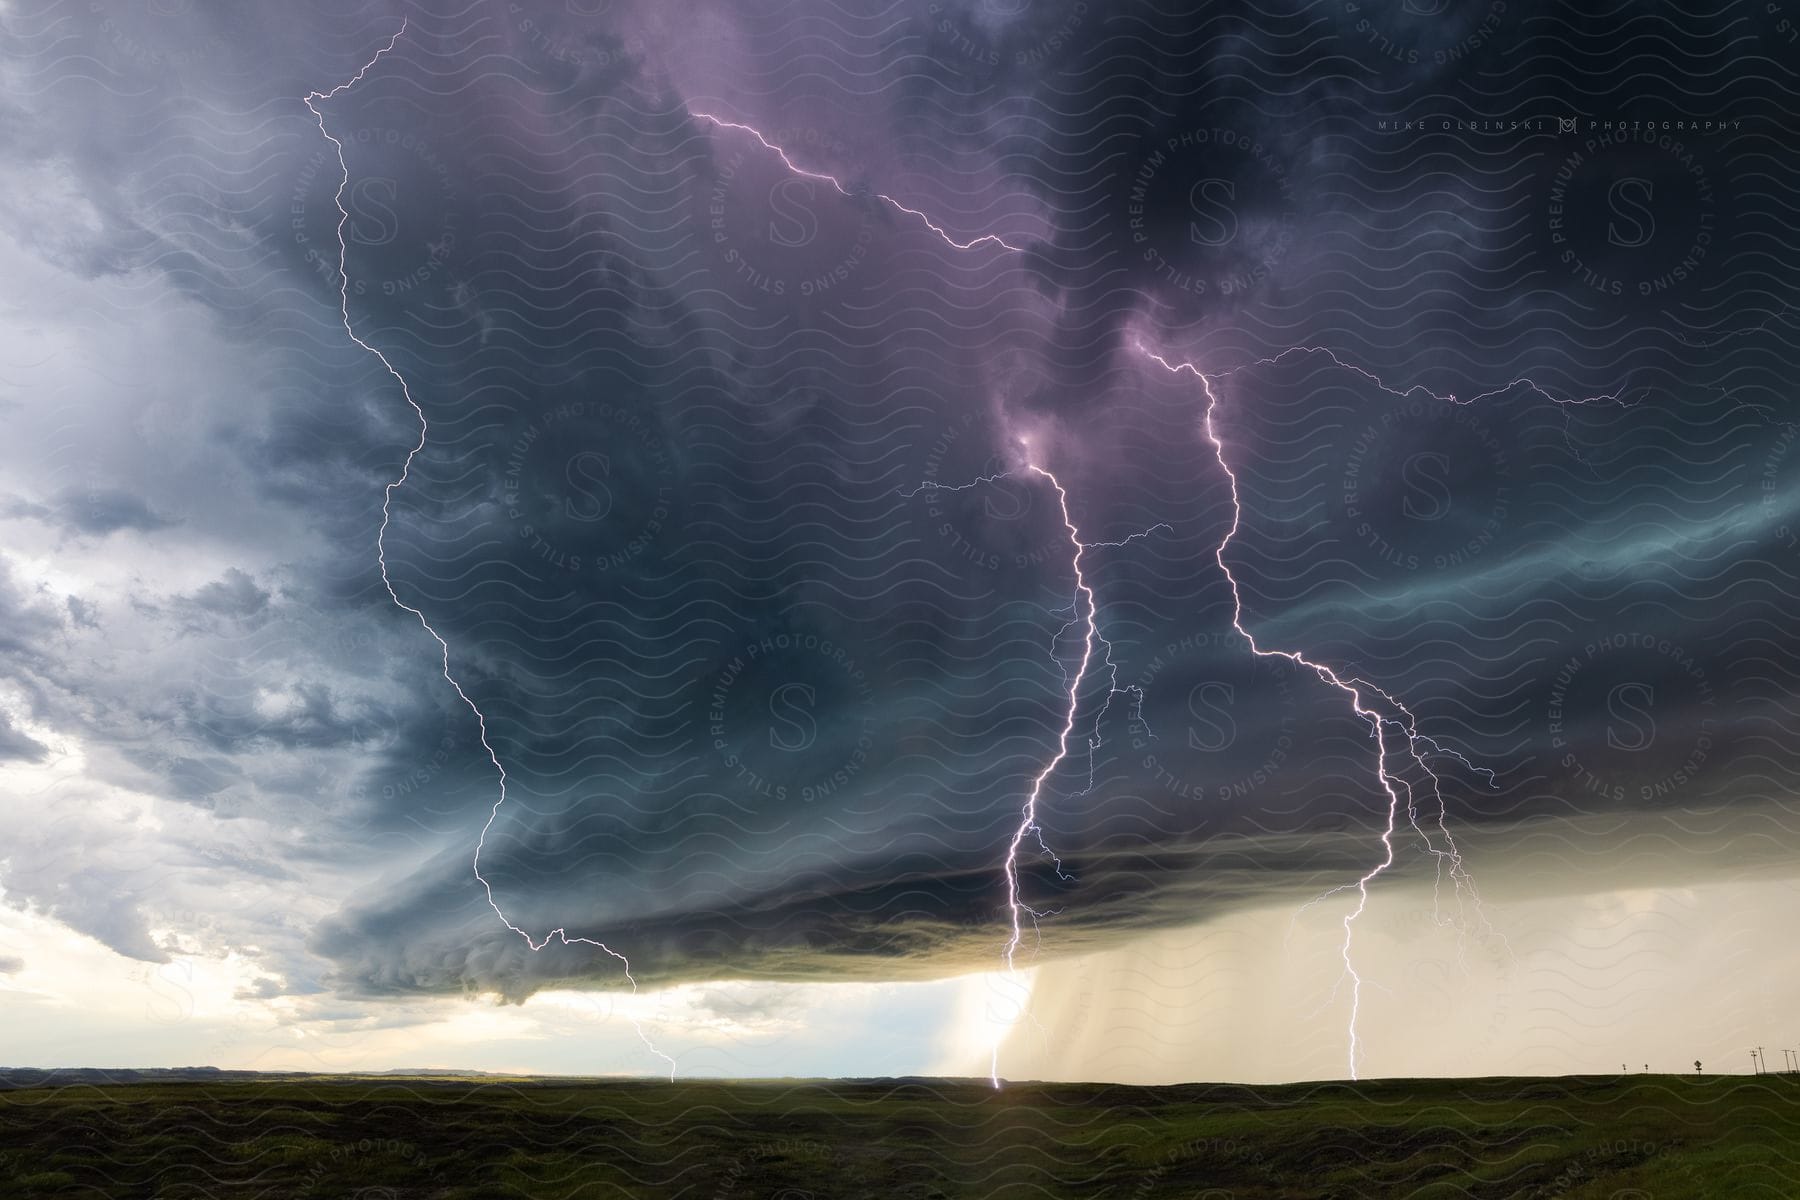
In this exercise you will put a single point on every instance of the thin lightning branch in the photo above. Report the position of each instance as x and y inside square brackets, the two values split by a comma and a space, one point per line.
[1446, 398]
[882, 196]
[1397, 716]
[1142, 533]
[1112, 669]
[930, 486]
[381, 543]
[1401, 393]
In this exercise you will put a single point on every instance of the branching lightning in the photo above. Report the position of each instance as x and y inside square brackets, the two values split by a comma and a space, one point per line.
[1084, 612]
[381, 543]
[1387, 717]
[882, 196]
[1382, 711]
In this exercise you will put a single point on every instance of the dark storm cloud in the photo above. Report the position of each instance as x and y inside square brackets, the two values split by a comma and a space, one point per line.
[767, 706]
[1219, 199]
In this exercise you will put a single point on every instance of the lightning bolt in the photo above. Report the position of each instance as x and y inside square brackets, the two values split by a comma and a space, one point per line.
[882, 196]
[1384, 712]
[1084, 612]
[387, 500]
[1397, 717]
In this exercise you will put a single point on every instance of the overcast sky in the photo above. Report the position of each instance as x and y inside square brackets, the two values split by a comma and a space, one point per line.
[769, 684]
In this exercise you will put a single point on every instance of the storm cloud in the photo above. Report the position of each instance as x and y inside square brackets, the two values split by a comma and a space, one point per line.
[770, 673]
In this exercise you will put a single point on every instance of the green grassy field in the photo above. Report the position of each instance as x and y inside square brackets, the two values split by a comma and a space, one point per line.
[388, 1138]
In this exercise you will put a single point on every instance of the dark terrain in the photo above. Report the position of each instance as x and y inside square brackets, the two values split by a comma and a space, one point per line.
[206, 1134]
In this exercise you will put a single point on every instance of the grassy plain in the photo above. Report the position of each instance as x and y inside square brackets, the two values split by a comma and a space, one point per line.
[484, 1138]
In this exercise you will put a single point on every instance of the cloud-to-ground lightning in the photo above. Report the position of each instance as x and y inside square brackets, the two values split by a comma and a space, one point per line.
[882, 196]
[1382, 711]
[311, 99]
[1085, 612]
[1386, 716]
[1363, 696]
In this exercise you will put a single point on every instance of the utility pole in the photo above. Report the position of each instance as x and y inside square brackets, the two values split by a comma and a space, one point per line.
[1755, 1069]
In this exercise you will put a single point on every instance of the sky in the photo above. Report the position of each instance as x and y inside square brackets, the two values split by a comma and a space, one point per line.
[809, 481]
